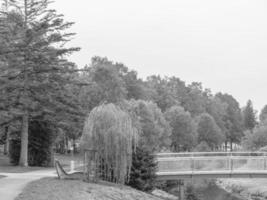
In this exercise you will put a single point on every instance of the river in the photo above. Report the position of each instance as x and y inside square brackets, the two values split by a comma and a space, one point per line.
[208, 190]
[213, 192]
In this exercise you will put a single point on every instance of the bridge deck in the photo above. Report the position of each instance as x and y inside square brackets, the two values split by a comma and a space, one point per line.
[212, 165]
[210, 174]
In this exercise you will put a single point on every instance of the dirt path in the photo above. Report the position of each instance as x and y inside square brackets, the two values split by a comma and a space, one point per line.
[13, 183]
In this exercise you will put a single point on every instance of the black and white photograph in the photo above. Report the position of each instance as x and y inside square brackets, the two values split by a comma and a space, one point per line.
[133, 100]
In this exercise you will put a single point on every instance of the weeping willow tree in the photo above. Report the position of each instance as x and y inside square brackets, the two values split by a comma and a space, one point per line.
[109, 131]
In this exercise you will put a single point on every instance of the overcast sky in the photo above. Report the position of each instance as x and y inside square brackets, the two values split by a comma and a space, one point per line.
[222, 44]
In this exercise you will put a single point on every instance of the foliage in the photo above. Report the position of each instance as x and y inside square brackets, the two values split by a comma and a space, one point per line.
[14, 151]
[209, 132]
[191, 193]
[217, 109]
[196, 99]
[256, 139]
[35, 73]
[108, 81]
[165, 92]
[232, 119]
[41, 135]
[110, 132]
[263, 115]
[161, 93]
[153, 130]
[202, 147]
[249, 116]
[3, 135]
[142, 176]
[134, 86]
[184, 135]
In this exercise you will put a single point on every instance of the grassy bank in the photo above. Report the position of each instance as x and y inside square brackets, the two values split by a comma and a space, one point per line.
[51, 188]
[247, 188]
[204, 189]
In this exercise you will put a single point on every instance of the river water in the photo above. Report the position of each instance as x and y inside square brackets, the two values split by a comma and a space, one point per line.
[213, 192]
[208, 190]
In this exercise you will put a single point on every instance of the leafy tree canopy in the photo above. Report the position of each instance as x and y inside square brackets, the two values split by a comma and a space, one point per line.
[232, 119]
[263, 115]
[154, 131]
[256, 139]
[183, 128]
[209, 131]
[249, 116]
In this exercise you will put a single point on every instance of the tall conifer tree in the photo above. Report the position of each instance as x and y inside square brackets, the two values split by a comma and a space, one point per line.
[34, 69]
[249, 116]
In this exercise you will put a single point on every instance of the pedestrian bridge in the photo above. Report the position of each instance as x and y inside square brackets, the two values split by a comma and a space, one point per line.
[172, 166]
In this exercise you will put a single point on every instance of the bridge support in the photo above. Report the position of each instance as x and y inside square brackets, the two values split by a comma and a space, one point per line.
[181, 186]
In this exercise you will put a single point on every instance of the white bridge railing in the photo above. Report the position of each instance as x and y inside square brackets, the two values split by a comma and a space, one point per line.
[211, 162]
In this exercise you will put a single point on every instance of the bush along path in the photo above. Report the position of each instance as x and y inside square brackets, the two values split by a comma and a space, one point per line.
[13, 183]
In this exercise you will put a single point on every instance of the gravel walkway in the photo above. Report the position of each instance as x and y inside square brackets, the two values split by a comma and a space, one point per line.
[13, 183]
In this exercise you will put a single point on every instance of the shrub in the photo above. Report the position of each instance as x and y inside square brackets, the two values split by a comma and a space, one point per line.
[191, 193]
[202, 147]
[40, 145]
[256, 139]
[14, 151]
[142, 176]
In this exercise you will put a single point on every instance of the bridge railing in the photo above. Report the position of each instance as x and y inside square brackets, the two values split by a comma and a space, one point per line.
[212, 161]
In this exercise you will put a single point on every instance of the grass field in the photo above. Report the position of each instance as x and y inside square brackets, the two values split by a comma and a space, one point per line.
[6, 167]
[65, 160]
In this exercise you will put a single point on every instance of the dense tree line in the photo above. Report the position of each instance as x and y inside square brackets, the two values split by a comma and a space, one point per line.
[193, 114]
[255, 135]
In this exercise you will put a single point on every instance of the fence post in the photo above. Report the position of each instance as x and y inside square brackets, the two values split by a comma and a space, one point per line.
[264, 161]
[232, 163]
[72, 165]
[181, 190]
[229, 162]
[192, 163]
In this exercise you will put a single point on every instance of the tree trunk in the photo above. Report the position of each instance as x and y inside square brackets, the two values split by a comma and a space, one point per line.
[74, 146]
[23, 160]
[66, 145]
[52, 158]
[6, 147]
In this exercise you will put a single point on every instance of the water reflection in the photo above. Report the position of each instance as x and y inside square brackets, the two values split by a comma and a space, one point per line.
[213, 192]
[206, 189]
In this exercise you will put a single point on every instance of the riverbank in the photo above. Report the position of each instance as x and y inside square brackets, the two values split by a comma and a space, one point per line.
[249, 189]
[201, 189]
[209, 190]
